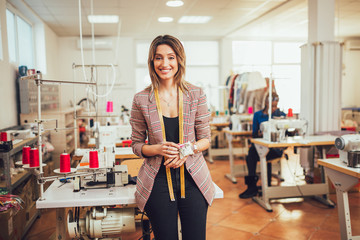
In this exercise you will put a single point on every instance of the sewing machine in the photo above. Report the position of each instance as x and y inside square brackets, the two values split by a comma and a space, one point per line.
[276, 130]
[107, 175]
[349, 149]
[241, 122]
[116, 176]
[20, 134]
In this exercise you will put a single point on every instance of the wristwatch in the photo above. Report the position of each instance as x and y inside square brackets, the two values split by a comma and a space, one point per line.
[195, 148]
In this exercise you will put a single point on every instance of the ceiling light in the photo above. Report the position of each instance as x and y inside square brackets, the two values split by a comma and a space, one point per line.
[174, 3]
[165, 19]
[103, 18]
[194, 19]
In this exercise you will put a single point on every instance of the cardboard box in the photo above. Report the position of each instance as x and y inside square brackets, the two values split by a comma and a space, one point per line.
[30, 212]
[12, 224]
[25, 191]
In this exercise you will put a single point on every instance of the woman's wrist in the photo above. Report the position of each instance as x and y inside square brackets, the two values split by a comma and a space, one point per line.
[195, 147]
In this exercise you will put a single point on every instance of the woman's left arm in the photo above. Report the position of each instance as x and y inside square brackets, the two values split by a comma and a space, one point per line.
[202, 122]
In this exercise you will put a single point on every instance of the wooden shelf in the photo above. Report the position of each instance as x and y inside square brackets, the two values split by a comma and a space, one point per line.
[17, 179]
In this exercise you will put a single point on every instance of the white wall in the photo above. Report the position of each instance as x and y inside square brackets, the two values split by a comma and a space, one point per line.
[351, 79]
[124, 89]
[51, 53]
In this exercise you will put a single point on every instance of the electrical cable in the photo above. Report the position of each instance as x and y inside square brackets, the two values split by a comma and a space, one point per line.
[298, 187]
[81, 42]
[89, 90]
[111, 88]
[92, 32]
[145, 233]
[88, 100]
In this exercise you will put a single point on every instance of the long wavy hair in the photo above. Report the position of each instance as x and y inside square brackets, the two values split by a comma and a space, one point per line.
[178, 48]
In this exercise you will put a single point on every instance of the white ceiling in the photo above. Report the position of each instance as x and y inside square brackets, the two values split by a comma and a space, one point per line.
[270, 19]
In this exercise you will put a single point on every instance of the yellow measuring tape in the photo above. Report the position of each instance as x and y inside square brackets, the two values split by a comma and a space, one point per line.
[181, 140]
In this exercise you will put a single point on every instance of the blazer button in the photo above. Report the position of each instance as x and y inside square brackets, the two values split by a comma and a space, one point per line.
[190, 171]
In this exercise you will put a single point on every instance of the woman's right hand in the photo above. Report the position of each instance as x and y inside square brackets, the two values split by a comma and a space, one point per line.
[168, 150]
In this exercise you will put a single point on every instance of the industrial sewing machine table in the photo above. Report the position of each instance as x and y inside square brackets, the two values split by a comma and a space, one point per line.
[344, 178]
[319, 190]
[237, 170]
[62, 196]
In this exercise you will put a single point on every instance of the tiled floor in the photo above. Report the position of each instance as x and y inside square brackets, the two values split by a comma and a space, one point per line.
[234, 218]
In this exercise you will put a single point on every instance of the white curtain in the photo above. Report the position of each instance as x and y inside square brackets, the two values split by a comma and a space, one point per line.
[321, 66]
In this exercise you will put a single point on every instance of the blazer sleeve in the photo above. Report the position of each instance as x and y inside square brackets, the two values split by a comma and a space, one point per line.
[139, 128]
[202, 118]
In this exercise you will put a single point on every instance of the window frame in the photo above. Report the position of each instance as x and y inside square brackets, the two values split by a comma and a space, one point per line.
[16, 13]
[273, 63]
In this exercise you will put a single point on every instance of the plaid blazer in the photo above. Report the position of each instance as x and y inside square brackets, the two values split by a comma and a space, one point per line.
[145, 124]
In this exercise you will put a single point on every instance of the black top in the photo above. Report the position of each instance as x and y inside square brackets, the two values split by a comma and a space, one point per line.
[172, 135]
[171, 129]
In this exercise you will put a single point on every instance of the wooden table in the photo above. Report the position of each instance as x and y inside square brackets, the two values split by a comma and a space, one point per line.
[92, 144]
[319, 190]
[235, 170]
[343, 178]
[122, 153]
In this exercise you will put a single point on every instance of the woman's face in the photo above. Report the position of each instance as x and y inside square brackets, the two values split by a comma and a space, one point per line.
[165, 62]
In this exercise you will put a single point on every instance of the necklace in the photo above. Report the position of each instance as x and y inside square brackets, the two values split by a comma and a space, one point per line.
[167, 102]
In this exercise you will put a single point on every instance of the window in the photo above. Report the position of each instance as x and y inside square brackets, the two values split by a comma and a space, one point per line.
[281, 60]
[287, 52]
[251, 53]
[25, 43]
[142, 52]
[20, 40]
[11, 32]
[201, 53]
[1, 49]
[202, 68]
[287, 82]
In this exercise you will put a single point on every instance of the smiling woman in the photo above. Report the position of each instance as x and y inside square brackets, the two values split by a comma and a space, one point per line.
[173, 115]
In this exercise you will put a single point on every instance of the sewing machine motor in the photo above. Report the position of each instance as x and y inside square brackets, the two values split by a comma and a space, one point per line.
[349, 149]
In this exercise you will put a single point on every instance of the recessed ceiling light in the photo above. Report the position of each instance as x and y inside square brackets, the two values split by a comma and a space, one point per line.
[165, 19]
[194, 19]
[103, 18]
[174, 3]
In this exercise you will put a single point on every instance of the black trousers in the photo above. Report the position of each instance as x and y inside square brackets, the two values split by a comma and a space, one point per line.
[253, 157]
[163, 213]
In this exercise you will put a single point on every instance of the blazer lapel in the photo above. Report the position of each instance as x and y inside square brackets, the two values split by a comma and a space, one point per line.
[154, 119]
[187, 103]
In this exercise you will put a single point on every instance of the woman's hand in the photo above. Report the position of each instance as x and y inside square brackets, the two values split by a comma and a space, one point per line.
[169, 150]
[175, 162]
